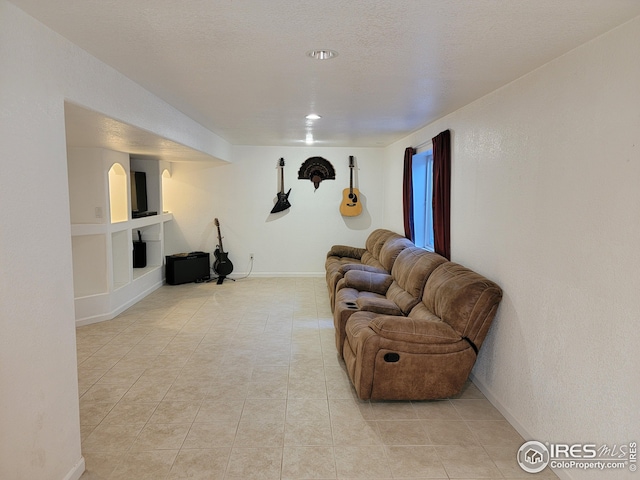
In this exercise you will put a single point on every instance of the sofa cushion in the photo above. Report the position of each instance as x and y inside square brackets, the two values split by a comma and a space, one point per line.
[359, 266]
[383, 306]
[367, 281]
[415, 330]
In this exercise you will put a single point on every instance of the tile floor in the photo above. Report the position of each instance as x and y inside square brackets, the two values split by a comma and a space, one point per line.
[242, 381]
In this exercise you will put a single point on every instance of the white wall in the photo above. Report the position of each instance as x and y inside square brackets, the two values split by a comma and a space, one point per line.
[546, 202]
[242, 194]
[39, 420]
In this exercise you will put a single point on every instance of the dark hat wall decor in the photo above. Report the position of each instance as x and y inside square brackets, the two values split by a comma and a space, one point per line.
[316, 169]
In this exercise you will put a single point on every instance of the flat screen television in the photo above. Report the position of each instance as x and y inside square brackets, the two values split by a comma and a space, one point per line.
[139, 206]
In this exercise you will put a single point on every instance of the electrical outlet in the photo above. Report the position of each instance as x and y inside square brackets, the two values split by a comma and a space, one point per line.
[98, 211]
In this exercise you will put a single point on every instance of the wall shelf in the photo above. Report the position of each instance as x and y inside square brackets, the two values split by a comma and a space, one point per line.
[102, 231]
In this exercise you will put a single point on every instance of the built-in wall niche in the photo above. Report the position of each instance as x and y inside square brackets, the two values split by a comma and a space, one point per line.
[89, 265]
[151, 235]
[120, 258]
[151, 168]
[118, 195]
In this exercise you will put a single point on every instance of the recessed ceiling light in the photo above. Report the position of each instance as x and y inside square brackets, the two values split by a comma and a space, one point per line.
[322, 54]
[313, 116]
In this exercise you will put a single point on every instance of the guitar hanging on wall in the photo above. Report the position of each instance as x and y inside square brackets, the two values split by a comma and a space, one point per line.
[221, 265]
[283, 198]
[351, 205]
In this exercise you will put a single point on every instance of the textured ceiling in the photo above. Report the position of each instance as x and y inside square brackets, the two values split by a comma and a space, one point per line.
[239, 67]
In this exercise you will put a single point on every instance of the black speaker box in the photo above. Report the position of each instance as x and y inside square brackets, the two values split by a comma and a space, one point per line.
[188, 267]
[139, 254]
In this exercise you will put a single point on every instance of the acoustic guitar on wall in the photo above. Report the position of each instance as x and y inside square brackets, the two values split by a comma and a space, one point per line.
[351, 205]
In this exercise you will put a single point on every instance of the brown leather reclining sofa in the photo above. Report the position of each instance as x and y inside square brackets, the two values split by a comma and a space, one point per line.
[412, 333]
[381, 250]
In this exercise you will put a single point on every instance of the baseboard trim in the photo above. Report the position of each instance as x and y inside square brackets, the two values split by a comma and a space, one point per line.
[509, 417]
[76, 472]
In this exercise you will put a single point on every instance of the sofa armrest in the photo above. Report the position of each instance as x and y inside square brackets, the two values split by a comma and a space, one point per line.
[383, 306]
[346, 251]
[368, 281]
[414, 330]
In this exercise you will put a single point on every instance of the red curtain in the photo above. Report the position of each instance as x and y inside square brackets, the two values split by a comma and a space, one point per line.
[442, 193]
[407, 193]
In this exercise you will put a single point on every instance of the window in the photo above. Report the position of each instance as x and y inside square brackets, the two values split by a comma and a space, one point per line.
[422, 172]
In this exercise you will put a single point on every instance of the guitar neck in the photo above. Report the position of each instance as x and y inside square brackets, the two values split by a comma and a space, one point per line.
[220, 240]
[281, 179]
[350, 174]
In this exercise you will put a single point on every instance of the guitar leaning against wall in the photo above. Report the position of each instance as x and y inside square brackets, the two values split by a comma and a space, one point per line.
[221, 265]
[351, 205]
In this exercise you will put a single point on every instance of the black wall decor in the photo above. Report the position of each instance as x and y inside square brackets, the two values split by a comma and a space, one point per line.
[316, 169]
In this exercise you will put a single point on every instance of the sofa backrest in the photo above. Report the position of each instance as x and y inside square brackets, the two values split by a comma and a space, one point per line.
[410, 272]
[374, 243]
[466, 300]
[383, 247]
[391, 249]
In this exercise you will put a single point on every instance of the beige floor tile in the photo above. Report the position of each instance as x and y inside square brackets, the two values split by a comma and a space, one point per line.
[436, 410]
[356, 432]
[104, 393]
[220, 410]
[92, 413]
[99, 466]
[175, 412]
[130, 413]
[254, 464]
[122, 375]
[476, 409]
[350, 409]
[415, 461]
[209, 435]
[260, 433]
[403, 432]
[242, 381]
[187, 391]
[308, 431]
[495, 432]
[159, 436]
[107, 438]
[276, 389]
[147, 391]
[393, 411]
[209, 464]
[264, 410]
[362, 462]
[468, 461]
[308, 463]
[152, 465]
[449, 432]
